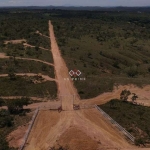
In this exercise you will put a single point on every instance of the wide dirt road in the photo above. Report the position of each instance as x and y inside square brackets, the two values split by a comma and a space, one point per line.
[66, 89]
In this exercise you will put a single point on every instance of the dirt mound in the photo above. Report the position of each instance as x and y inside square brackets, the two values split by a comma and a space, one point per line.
[75, 139]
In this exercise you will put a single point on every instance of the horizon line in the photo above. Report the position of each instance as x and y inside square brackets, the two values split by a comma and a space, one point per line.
[71, 6]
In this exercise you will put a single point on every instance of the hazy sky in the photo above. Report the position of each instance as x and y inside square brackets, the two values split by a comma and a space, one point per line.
[75, 2]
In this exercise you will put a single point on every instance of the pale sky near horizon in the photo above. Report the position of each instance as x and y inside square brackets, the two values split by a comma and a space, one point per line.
[75, 2]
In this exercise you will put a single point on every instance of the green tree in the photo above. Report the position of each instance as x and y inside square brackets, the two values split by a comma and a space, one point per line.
[16, 106]
[1, 102]
[44, 67]
[36, 48]
[12, 76]
[133, 71]
[139, 141]
[134, 97]
[5, 118]
[124, 95]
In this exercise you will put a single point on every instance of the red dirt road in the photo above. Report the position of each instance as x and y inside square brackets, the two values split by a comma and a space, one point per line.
[65, 88]
[47, 78]
[3, 56]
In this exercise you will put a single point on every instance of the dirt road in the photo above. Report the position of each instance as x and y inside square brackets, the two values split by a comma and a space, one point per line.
[15, 41]
[38, 32]
[65, 88]
[47, 78]
[28, 45]
[3, 56]
[142, 93]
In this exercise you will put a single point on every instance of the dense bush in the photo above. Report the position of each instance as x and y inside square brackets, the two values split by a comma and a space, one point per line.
[5, 119]
[134, 118]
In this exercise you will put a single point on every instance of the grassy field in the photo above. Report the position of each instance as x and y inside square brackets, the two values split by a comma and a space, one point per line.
[24, 87]
[25, 66]
[133, 118]
[105, 45]
[28, 52]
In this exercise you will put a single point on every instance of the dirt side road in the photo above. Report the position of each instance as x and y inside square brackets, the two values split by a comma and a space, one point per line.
[3, 56]
[142, 93]
[47, 78]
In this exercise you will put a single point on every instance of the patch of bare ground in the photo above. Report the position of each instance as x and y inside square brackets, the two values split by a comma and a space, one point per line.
[15, 138]
[75, 139]
[28, 45]
[24, 41]
[135, 149]
[44, 124]
[15, 41]
[3, 55]
[38, 32]
[51, 126]
[108, 133]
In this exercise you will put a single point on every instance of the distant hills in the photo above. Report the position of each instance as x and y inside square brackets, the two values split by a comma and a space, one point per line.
[89, 8]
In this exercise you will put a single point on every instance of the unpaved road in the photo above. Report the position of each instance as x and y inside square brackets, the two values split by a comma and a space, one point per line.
[15, 41]
[32, 98]
[52, 128]
[41, 34]
[65, 88]
[28, 45]
[142, 93]
[42, 105]
[25, 43]
[47, 78]
[3, 56]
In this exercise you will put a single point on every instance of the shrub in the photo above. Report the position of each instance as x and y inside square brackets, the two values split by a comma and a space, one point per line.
[132, 72]
[139, 141]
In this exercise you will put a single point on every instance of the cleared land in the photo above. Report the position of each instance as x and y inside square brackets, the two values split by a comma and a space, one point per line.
[46, 132]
